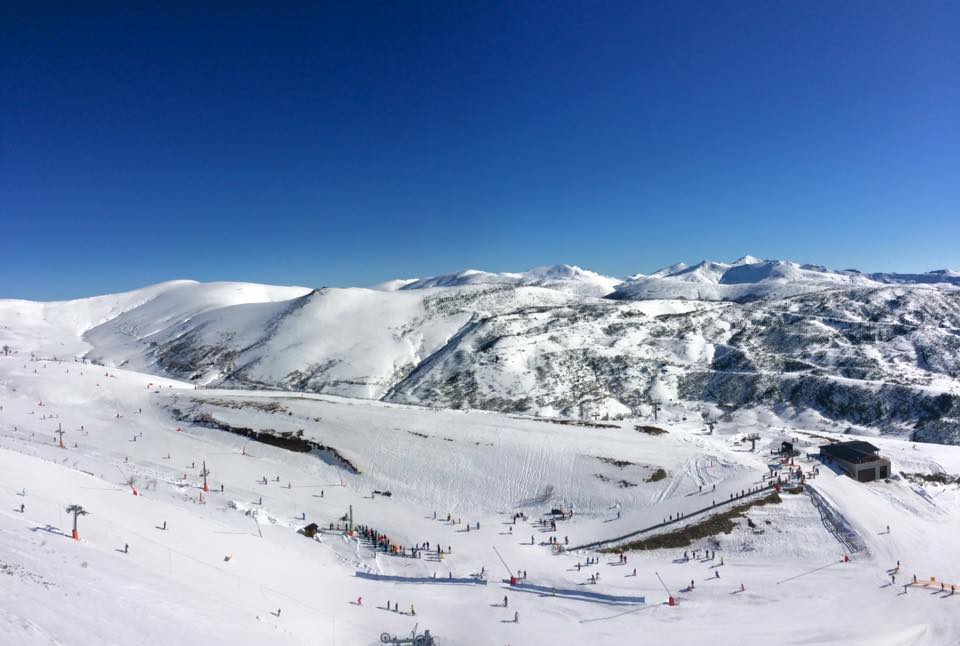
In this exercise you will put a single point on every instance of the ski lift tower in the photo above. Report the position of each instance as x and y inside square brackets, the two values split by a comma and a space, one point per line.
[205, 473]
[656, 409]
[752, 438]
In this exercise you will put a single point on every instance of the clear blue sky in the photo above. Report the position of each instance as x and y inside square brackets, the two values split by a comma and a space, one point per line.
[347, 143]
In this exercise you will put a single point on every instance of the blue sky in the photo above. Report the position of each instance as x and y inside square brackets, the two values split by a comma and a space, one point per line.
[347, 143]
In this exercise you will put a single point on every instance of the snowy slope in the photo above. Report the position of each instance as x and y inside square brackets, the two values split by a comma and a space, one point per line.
[57, 327]
[230, 567]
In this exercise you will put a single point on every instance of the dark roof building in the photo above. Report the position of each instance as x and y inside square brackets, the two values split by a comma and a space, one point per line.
[859, 460]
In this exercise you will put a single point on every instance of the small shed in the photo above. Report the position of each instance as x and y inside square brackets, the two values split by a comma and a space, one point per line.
[786, 448]
[310, 530]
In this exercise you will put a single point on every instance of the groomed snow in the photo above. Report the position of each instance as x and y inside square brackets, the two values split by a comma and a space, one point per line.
[224, 567]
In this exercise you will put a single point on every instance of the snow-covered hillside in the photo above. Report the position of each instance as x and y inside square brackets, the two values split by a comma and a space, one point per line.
[876, 353]
[160, 560]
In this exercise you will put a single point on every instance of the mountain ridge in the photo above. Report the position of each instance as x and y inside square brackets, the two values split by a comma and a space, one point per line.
[789, 339]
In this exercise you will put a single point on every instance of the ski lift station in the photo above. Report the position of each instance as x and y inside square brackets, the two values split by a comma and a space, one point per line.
[857, 459]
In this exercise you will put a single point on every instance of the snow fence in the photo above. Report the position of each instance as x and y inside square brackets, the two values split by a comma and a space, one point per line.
[421, 579]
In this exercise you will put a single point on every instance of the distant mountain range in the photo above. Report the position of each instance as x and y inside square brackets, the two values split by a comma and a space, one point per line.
[871, 351]
[747, 278]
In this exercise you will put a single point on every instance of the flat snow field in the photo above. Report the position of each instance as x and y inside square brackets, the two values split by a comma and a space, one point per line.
[231, 567]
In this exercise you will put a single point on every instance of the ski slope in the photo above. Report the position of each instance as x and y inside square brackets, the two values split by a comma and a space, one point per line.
[225, 565]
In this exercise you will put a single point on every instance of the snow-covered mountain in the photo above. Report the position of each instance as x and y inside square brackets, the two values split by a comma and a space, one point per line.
[879, 351]
[750, 278]
[567, 278]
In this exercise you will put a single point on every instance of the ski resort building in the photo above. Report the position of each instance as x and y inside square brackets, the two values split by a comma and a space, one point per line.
[857, 459]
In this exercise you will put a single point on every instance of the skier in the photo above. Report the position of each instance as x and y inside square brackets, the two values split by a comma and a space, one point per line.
[742, 589]
[126, 548]
[21, 508]
[278, 612]
[516, 617]
[413, 613]
[359, 601]
[504, 601]
[164, 525]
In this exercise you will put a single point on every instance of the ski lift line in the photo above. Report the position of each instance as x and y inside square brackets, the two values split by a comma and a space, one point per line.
[822, 567]
[619, 614]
